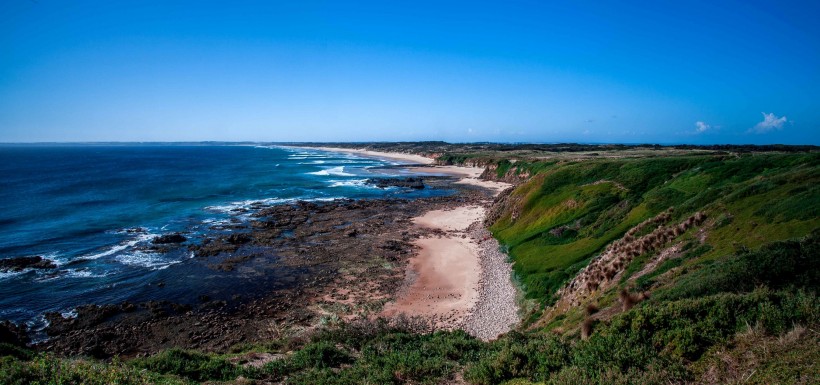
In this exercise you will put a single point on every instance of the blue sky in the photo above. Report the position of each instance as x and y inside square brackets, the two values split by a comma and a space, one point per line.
[540, 71]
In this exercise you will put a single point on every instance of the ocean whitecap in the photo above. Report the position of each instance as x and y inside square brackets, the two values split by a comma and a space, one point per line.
[152, 261]
[349, 183]
[335, 171]
[119, 247]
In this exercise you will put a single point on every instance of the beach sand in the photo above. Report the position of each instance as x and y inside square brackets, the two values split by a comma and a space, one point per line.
[443, 278]
[458, 279]
[411, 158]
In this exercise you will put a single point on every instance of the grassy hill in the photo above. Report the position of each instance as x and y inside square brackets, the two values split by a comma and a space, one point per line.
[671, 268]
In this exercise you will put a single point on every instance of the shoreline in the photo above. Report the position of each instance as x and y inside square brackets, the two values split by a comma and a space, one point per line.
[458, 279]
[416, 159]
[383, 241]
[441, 280]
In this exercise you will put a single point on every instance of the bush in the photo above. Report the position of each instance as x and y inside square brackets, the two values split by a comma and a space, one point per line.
[189, 364]
[517, 356]
[686, 328]
[45, 369]
[777, 265]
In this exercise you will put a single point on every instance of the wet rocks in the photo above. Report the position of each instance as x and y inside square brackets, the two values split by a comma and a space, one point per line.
[361, 246]
[11, 333]
[29, 262]
[238, 239]
[169, 238]
[411, 183]
[85, 316]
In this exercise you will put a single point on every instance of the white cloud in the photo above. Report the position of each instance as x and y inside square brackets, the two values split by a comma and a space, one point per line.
[701, 126]
[770, 122]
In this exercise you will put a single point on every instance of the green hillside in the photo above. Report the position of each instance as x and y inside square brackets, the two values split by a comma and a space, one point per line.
[557, 222]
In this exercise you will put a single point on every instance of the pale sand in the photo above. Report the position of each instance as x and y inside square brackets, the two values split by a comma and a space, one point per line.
[457, 219]
[412, 158]
[497, 187]
[463, 172]
[468, 175]
[444, 276]
[445, 283]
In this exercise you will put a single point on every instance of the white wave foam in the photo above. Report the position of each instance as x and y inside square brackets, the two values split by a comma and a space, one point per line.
[38, 324]
[246, 204]
[216, 222]
[71, 314]
[335, 171]
[349, 183]
[120, 247]
[148, 260]
[73, 273]
[9, 274]
[240, 206]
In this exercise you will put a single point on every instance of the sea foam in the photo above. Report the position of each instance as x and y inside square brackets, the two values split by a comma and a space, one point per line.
[335, 171]
[118, 248]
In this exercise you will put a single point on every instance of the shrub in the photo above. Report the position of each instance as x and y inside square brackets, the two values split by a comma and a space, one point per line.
[686, 328]
[777, 265]
[518, 356]
[46, 369]
[189, 364]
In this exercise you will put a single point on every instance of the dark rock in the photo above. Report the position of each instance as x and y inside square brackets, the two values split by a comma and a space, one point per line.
[238, 239]
[169, 238]
[413, 183]
[11, 333]
[20, 263]
[87, 316]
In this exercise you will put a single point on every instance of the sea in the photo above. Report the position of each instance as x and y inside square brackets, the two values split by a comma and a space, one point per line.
[94, 210]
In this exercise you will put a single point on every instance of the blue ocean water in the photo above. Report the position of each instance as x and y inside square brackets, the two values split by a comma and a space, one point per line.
[93, 209]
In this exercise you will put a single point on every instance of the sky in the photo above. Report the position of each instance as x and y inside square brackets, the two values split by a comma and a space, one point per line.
[700, 72]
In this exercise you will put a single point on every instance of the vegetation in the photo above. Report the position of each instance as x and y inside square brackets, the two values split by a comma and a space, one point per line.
[557, 222]
[722, 288]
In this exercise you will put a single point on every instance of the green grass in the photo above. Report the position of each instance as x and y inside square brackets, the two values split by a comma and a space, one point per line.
[769, 197]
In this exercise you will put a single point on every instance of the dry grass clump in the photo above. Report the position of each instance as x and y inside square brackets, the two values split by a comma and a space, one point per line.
[618, 255]
[629, 300]
[586, 328]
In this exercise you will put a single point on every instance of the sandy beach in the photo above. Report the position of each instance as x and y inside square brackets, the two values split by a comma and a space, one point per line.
[443, 278]
[459, 280]
[468, 175]
[411, 158]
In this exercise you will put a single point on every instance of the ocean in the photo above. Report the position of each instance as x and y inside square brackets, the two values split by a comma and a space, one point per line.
[94, 209]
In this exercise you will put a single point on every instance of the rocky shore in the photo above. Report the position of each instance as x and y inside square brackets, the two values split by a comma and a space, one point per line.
[322, 262]
[495, 311]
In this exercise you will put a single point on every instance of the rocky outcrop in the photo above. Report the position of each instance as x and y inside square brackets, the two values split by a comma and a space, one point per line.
[30, 262]
[412, 183]
[11, 333]
[169, 238]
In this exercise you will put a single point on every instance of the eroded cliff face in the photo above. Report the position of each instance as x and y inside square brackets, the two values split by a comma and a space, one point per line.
[513, 175]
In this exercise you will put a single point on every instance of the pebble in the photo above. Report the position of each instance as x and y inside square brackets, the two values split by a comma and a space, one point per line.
[496, 311]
